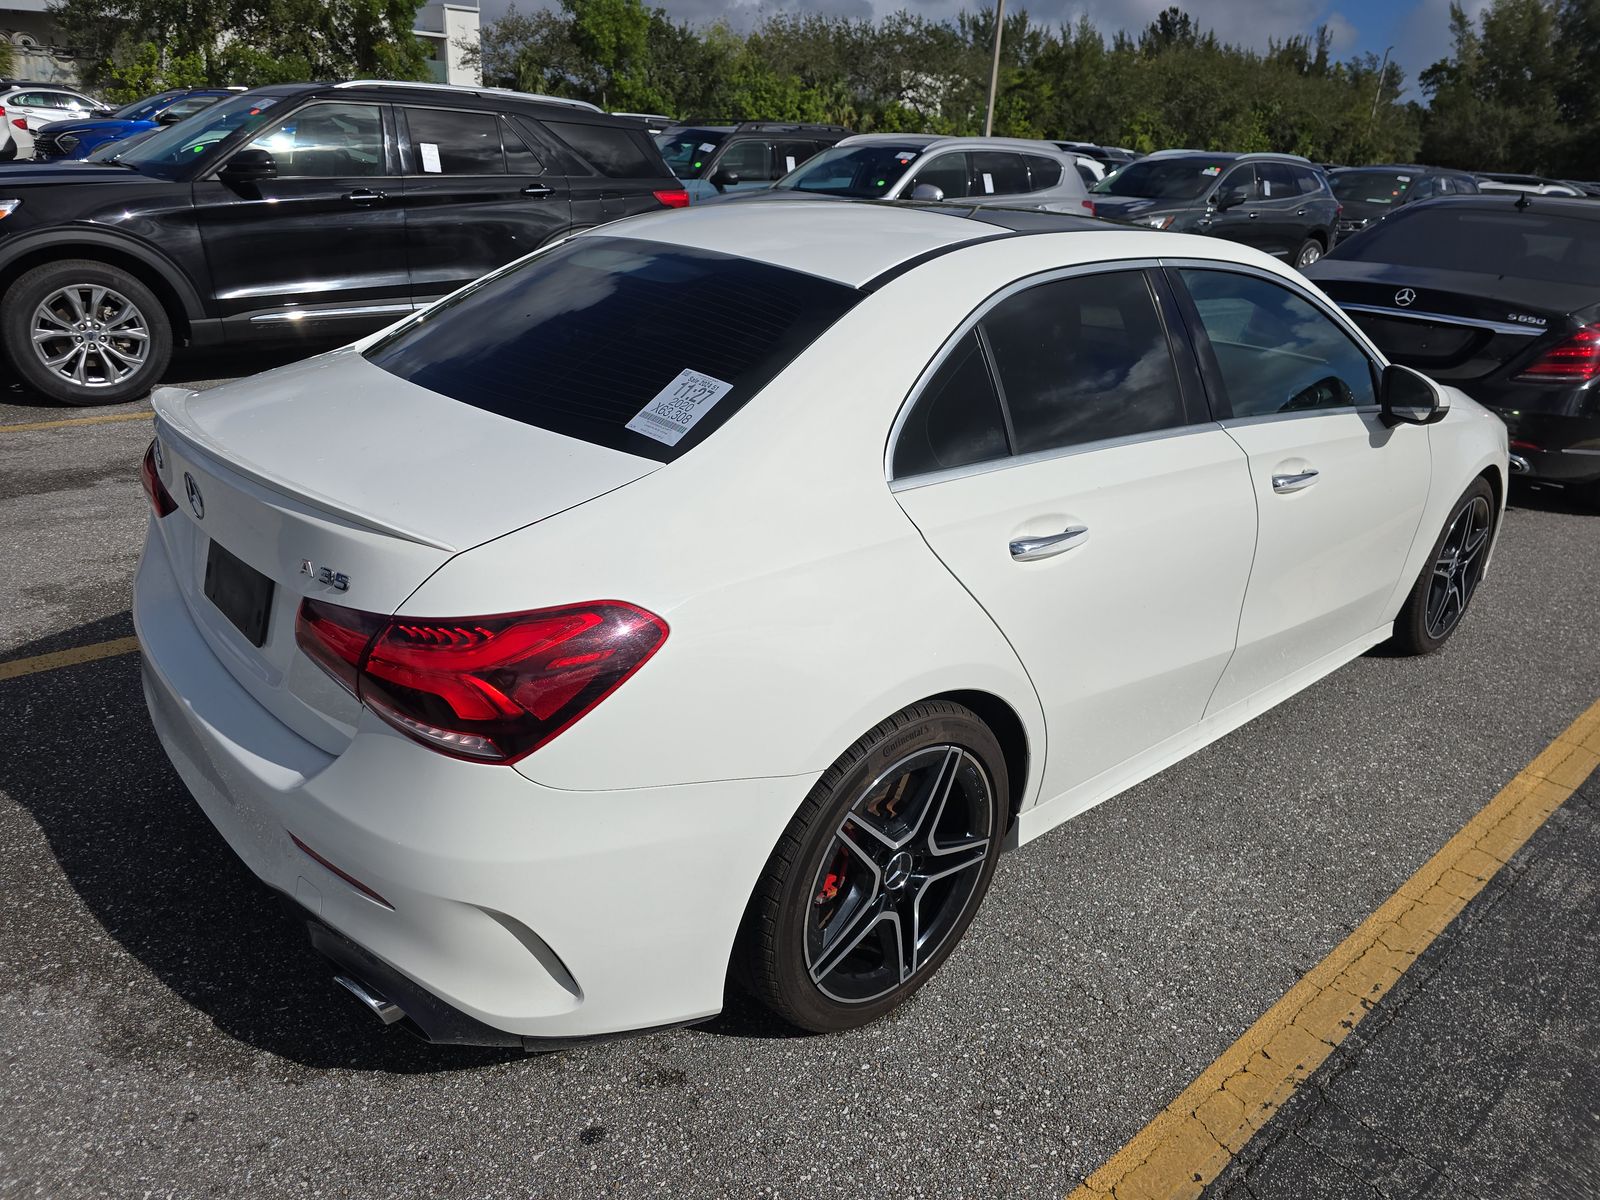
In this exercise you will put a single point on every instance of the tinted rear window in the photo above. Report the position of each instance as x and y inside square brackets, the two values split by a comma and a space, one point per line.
[1520, 245]
[1373, 187]
[611, 150]
[582, 339]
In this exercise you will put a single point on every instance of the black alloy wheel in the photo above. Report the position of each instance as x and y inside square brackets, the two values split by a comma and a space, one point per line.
[1450, 579]
[880, 873]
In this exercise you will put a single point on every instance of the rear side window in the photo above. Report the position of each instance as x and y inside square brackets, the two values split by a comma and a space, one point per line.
[611, 150]
[1084, 359]
[454, 143]
[582, 339]
[1042, 172]
[956, 421]
[1519, 245]
[1277, 352]
[1308, 181]
[749, 159]
[998, 173]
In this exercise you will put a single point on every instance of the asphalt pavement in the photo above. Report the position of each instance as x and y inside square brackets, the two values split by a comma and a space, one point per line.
[166, 1031]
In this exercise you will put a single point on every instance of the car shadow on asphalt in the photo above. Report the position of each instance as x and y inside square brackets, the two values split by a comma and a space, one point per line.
[1538, 497]
[82, 759]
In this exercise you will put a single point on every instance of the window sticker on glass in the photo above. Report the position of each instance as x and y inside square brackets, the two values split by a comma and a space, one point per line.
[905, 155]
[1212, 171]
[430, 157]
[676, 407]
[988, 184]
[707, 147]
[1266, 187]
[1403, 178]
[788, 162]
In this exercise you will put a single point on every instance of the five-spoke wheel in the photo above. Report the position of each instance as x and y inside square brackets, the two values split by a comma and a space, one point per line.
[880, 872]
[1439, 599]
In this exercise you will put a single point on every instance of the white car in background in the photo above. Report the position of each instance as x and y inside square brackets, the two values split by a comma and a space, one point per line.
[550, 679]
[29, 108]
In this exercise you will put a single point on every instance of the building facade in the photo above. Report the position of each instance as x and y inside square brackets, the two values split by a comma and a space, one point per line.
[36, 49]
[444, 26]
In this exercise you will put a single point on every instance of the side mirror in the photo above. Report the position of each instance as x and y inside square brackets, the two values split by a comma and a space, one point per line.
[1410, 398]
[724, 178]
[248, 166]
[927, 191]
[168, 118]
[1231, 198]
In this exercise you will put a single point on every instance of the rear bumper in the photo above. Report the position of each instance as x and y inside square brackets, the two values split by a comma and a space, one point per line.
[531, 913]
[1555, 447]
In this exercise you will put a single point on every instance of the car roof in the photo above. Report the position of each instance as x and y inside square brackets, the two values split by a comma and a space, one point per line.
[1520, 202]
[928, 141]
[853, 242]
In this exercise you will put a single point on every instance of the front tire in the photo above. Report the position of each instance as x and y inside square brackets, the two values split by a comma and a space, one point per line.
[85, 333]
[1449, 580]
[880, 872]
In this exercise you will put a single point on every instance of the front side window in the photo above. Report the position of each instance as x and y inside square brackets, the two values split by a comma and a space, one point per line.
[749, 159]
[687, 151]
[1277, 352]
[950, 173]
[1240, 181]
[327, 141]
[789, 155]
[444, 142]
[537, 342]
[956, 420]
[1083, 359]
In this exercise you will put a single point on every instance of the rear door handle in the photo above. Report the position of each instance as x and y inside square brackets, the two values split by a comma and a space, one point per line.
[1252, 214]
[365, 196]
[538, 191]
[1294, 481]
[1032, 549]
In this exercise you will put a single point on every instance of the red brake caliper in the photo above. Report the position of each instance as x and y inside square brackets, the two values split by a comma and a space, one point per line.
[832, 880]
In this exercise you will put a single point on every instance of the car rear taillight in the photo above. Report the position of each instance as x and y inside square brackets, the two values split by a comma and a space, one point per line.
[489, 689]
[1089, 204]
[1576, 360]
[160, 499]
[673, 197]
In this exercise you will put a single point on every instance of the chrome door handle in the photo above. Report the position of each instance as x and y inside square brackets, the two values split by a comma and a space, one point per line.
[1251, 215]
[1295, 481]
[1031, 549]
[365, 196]
[537, 190]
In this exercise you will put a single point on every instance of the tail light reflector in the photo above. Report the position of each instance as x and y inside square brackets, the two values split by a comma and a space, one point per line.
[1576, 360]
[1089, 204]
[673, 197]
[160, 499]
[489, 689]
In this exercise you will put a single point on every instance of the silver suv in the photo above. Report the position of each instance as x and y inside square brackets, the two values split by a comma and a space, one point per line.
[919, 166]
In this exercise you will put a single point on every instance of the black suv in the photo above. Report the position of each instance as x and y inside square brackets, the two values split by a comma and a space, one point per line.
[300, 211]
[716, 159]
[1279, 203]
[1370, 194]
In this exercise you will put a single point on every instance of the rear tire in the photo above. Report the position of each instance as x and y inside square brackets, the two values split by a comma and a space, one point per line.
[1310, 251]
[102, 336]
[880, 872]
[1450, 577]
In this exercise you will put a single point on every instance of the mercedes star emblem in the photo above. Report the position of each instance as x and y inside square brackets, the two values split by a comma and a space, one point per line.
[192, 490]
[1405, 297]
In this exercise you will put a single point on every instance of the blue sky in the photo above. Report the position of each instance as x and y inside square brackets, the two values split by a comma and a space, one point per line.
[1416, 28]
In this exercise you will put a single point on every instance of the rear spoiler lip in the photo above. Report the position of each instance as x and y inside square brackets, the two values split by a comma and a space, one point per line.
[169, 404]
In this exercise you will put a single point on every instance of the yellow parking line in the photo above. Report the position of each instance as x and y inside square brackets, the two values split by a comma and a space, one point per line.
[18, 667]
[1188, 1144]
[103, 419]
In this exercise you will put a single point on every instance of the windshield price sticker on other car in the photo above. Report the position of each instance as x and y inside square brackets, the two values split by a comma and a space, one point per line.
[430, 158]
[707, 147]
[1212, 171]
[676, 407]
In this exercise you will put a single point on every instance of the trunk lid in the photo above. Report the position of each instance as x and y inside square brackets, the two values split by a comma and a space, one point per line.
[338, 481]
[1457, 326]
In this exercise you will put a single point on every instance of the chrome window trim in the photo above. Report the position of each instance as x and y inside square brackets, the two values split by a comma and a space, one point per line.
[1449, 319]
[1367, 410]
[929, 478]
[1105, 267]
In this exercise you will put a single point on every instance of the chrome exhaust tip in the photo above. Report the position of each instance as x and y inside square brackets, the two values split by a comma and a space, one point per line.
[1519, 465]
[384, 1009]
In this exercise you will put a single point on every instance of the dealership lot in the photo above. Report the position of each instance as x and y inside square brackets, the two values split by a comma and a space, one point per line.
[166, 1029]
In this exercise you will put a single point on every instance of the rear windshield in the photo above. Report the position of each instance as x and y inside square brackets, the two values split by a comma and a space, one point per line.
[865, 172]
[1163, 178]
[1385, 188]
[687, 151]
[634, 345]
[1519, 245]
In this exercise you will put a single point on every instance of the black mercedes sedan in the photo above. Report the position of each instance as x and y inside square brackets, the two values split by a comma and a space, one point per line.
[1498, 296]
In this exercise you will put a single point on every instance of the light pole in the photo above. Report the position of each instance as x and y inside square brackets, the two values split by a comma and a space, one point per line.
[994, 67]
[1378, 95]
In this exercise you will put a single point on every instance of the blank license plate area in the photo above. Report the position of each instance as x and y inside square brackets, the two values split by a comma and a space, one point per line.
[240, 592]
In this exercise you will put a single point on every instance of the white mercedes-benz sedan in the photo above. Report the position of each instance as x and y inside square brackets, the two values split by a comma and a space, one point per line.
[716, 594]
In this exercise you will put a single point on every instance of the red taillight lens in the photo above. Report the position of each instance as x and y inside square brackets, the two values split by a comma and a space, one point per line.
[1576, 360]
[1089, 204]
[491, 689]
[673, 197]
[160, 499]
